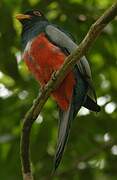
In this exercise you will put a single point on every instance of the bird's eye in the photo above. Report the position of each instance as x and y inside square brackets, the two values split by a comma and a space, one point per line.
[37, 13]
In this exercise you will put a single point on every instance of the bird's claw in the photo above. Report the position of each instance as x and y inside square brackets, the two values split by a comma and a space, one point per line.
[54, 76]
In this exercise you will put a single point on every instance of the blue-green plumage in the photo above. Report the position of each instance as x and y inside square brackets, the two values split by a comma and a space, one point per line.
[31, 31]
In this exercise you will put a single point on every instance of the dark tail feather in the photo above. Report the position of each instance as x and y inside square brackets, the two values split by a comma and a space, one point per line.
[92, 91]
[64, 129]
[91, 105]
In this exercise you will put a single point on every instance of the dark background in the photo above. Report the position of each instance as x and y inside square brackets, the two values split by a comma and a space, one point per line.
[92, 148]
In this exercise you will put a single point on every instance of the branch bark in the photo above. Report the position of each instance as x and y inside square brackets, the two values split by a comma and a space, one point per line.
[56, 79]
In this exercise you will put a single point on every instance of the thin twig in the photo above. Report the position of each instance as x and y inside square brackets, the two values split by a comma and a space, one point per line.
[70, 61]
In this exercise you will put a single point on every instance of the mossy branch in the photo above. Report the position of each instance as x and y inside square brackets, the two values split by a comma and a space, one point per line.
[56, 79]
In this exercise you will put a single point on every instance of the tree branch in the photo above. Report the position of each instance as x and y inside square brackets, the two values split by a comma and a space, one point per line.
[58, 77]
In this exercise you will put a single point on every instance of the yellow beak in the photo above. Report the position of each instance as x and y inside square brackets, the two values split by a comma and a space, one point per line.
[22, 16]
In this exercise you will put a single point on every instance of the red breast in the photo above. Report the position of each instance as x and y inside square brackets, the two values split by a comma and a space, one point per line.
[43, 58]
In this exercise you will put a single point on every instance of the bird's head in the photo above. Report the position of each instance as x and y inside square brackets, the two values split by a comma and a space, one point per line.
[33, 22]
[30, 17]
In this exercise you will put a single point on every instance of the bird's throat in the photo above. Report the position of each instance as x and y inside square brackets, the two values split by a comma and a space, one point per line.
[31, 30]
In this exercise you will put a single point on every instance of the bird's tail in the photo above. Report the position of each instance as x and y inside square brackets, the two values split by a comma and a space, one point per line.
[91, 104]
[66, 118]
[80, 98]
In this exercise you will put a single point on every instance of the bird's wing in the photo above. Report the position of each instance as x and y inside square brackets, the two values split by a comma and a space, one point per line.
[61, 39]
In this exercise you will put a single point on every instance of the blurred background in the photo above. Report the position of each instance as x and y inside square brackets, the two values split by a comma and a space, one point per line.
[92, 148]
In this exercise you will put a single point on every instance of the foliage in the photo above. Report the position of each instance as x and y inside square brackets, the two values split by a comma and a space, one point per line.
[89, 154]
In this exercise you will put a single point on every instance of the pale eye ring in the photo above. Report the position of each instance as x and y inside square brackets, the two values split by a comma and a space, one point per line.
[37, 13]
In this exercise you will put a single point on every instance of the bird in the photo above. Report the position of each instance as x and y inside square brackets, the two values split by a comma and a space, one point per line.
[45, 47]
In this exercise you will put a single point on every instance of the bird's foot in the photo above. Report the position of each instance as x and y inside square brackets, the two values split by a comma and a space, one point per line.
[54, 75]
